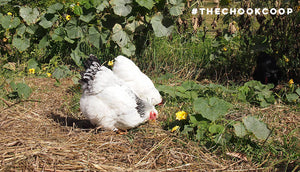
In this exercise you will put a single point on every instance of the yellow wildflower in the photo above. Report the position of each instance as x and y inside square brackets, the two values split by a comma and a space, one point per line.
[224, 49]
[175, 128]
[9, 13]
[286, 59]
[181, 115]
[31, 71]
[78, 4]
[49, 74]
[68, 17]
[110, 63]
[4, 39]
[291, 82]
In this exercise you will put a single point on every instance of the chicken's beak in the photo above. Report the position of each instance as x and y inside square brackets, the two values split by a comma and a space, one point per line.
[161, 103]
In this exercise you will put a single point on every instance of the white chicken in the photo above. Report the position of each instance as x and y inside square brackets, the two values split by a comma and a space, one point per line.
[126, 70]
[107, 102]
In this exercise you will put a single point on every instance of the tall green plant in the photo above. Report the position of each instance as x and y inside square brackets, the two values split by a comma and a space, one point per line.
[97, 24]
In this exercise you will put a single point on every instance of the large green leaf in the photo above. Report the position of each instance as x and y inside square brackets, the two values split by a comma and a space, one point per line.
[177, 10]
[159, 29]
[29, 15]
[76, 56]
[102, 5]
[3, 2]
[216, 129]
[73, 31]
[129, 49]
[61, 72]
[23, 90]
[32, 64]
[9, 22]
[21, 43]
[44, 42]
[45, 23]
[87, 18]
[55, 7]
[239, 129]
[120, 36]
[146, 3]
[121, 7]
[59, 34]
[21, 29]
[211, 108]
[258, 128]
[94, 37]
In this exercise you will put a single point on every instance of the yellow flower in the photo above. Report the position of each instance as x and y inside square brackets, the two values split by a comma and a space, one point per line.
[9, 13]
[175, 128]
[49, 74]
[224, 49]
[181, 115]
[78, 4]
[291, 82]
[4, 39]
[110, 63]
[31, 71]
[286, 59]
[68, 17]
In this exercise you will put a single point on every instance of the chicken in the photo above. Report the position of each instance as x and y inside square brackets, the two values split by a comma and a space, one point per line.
[126, 70]
[107, 102]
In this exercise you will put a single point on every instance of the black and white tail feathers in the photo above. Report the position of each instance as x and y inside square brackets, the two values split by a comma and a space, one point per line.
[92, 66]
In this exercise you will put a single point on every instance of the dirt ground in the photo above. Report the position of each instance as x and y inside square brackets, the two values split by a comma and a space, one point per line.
[42, 135]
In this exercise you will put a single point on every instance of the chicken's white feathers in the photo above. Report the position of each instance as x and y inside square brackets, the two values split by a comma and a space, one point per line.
[108, 102]
[134, 78]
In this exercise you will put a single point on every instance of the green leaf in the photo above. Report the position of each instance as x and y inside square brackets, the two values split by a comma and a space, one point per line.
[32, 64]
[102, 6]
[120, 36]
[129, 49]
[54, 8]
[31, 29]
[21, 43]
[94, 37]
[73, 31]
[211, 108]
[159, 29]
[292, 97]
[76, 56]
[258, 128]
[3, 2]
[146, 3]
[239, 129]
[121, 7]
[21, 29]
[177, 10]
[44, 42]
[9, 22]
[298, 91]
[29, 15]
[23, 90]
[59, 34]
[61, 72]
[87, 18]
[167, 90]
[78, 10]
[216, 129]
[175, 2]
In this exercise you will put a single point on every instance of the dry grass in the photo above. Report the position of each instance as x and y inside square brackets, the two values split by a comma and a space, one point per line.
[42, 136]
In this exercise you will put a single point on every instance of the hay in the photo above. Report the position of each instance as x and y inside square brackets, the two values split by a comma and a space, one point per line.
[40, 135]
